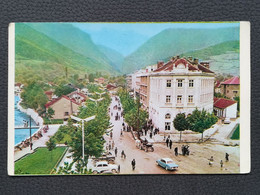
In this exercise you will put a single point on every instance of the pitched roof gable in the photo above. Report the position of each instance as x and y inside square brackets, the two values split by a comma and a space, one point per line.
[223, 103]
[232, 81]
[58, 99]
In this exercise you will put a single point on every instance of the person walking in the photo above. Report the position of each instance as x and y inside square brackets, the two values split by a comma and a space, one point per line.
[121, 133]
[167, 142]
[116, 151]
[113, 145]
[111, 135]
[227, 157]
[176, 151]
[170, 144]
[151, 134]
[118, 169]
[133, 164]
[221, 163]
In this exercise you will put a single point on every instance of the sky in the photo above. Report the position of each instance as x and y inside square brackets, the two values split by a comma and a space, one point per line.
[135, 34]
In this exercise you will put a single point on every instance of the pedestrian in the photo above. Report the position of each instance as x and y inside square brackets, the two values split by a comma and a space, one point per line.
[123, 154]
[31, 145]
[118, 169]
[211, 159]
[109, 146]
[111, 135]
[183, 150]
[221, 163]
[133, 164]
[170, 144]
[176, 151]
[151, 135]
[167, 142]
[113, 144]
[123, 124]
[121, 133]
[116, 151]
[227, 157]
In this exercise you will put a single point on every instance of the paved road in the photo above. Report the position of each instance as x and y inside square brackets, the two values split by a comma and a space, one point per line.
[196, 162]
[145, 161]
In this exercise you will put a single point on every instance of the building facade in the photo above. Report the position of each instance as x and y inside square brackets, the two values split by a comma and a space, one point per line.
[178, 86]
[231, 87]
[225, 108]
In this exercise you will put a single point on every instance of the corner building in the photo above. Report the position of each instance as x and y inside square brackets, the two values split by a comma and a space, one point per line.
[178, 86]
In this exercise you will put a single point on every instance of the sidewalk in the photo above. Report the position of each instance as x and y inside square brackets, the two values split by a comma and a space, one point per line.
[37, 143]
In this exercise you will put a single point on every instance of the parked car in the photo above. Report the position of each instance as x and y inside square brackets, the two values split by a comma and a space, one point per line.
[103, 166]
[167, 163]
[227, 121]
[106, 156]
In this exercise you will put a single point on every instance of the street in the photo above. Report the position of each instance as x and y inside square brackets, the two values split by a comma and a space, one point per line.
[196, 162]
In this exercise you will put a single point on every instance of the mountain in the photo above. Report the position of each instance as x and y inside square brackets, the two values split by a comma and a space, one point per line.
[223, 57]
[171, 42]
[37, 54]
[73, 38]
[116, 58]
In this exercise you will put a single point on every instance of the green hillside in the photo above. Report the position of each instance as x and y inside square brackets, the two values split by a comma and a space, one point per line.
[73, 38]
[39, 56]
[173, 42]
[115, 57]
[222, 48]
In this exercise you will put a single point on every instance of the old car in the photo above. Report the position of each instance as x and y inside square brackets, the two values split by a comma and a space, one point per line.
[145, 144]
[103, 167]
[106, 156]
[167, 163]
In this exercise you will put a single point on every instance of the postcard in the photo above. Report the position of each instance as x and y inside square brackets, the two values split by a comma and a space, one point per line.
[129, 98]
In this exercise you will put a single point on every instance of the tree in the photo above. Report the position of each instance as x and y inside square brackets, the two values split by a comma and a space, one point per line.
[63, 90]
[237, 98]
[181, 123]
[51, 145]
[50, 113]
[201, 120]
[91, 77]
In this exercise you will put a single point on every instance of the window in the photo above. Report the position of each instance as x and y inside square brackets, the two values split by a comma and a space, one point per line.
[180, 83]
[179, 99]
[168, 83]
[167, 126]
[167, 116]
[191, 83]
[168, 98]
[235, 92]
[190, 99]
[66, 114]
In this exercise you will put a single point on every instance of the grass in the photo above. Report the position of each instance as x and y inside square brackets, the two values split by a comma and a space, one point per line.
[236, 133]
[42, 161]
[52, 121]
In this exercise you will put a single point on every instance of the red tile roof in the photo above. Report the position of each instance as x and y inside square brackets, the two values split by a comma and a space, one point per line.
[58, 99]
[232, 81]
[217, 84]
[169, 66]
[109, 87]
[48, 92]
[223, 103]
[78, 93]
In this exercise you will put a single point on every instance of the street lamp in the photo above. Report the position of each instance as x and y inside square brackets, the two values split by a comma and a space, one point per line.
[30, 130]
[83, 120]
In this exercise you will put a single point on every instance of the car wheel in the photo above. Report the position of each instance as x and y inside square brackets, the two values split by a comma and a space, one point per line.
[113, 171]
[95, 172]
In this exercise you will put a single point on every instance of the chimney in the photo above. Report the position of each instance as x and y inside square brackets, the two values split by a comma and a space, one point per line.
[205, 64]
[160, 64]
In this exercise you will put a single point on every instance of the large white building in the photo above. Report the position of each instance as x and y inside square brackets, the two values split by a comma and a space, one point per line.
[178, 86]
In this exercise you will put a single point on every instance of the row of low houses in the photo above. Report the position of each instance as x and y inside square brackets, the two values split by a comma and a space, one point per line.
[69, 104]
[177, 86]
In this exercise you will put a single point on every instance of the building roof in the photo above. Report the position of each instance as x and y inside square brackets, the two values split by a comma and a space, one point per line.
[169, 66]
[58, 99]
[48, 92]
[232, 81]
[78, 93]
[110, 86]
[217, 84]
[223, 103]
